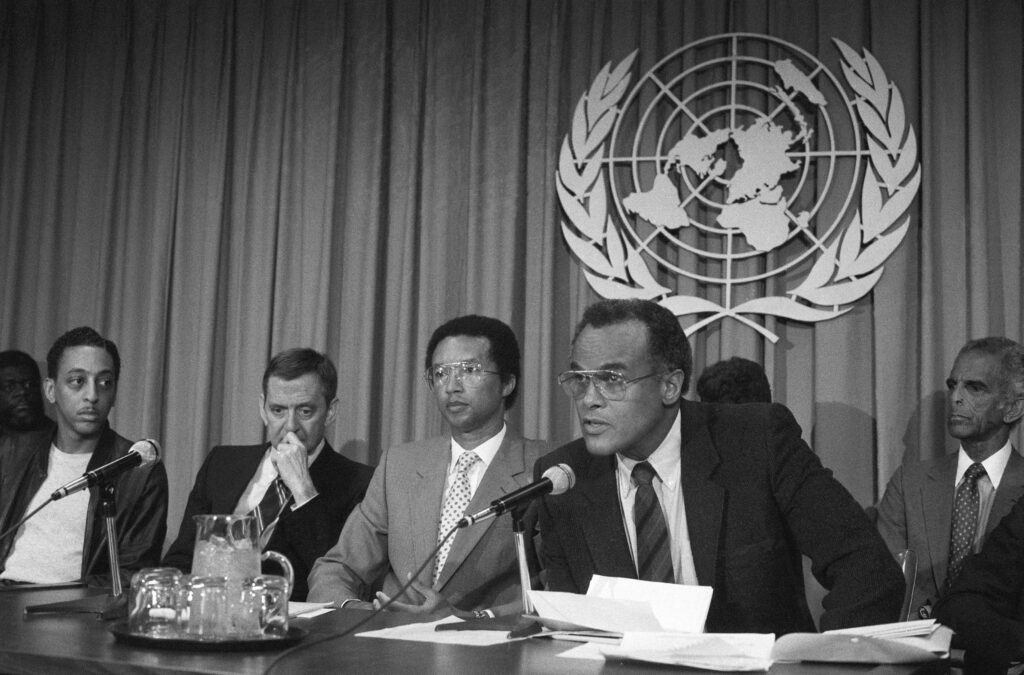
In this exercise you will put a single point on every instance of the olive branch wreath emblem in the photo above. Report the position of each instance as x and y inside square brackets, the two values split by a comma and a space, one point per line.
[847, 268]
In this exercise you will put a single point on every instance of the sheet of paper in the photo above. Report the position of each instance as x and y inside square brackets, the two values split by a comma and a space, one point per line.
[843, 648]
[708, 651]
[921, 627]
[591, 651]
[566, 611]
[677, 607]
[307, 610]
[424, 632]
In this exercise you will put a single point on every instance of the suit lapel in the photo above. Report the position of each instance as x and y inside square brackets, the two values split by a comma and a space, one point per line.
[431, 469]
[600, 519]
[505, 474]
[238, 473]
[702, 497]
[1011, 487]
[937, 512]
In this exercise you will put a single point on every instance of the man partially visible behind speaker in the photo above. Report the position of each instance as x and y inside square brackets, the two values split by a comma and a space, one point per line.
[21, 397]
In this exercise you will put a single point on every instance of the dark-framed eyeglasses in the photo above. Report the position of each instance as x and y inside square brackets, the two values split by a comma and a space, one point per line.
[469, 373]
[610, 383]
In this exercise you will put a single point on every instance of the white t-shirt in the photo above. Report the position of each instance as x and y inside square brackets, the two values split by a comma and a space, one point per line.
[48, 547]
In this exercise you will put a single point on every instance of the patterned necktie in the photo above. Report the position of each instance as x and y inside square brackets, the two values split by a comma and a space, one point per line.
[270, 509]
[653, 553]
[454, 506]
[965, 522]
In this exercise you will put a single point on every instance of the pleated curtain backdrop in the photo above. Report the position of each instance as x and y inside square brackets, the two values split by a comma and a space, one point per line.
[208, 182]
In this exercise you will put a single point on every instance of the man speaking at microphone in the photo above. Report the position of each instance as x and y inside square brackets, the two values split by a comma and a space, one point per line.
[296, 486]
[67, 540]
[719, 495]
[420, 491]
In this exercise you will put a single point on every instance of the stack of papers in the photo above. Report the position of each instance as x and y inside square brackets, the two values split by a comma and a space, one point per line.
[732, 652]
[649, 622]
[614, 606]
[904, 642]
[663, 623]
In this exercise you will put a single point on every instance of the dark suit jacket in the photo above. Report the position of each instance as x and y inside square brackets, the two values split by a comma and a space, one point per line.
[301, 535]
[756, 498]
[985, 606]
[394, 530]
[917, 509]
[140, 499]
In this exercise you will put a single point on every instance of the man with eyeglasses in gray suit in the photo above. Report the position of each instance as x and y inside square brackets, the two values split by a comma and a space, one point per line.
[720, 495]
[420, 489]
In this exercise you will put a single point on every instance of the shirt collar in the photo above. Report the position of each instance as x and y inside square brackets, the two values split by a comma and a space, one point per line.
[665, 459]
[486, 451]
[995, 465]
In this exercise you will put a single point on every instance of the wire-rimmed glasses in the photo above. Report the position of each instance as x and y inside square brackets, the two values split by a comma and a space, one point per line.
[469, 373]
[611, 384]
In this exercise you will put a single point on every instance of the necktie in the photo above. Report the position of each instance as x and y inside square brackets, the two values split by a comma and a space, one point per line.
[270, 509]
[653, 553]
[965, 522]
[454, 506]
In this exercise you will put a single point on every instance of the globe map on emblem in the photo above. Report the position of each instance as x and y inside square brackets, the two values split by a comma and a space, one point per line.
[726, 151]
[738, 179]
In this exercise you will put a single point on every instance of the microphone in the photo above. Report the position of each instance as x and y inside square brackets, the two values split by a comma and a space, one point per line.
[555, 480]
[141, 453]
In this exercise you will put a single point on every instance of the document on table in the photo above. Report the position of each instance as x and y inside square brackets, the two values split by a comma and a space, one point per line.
[903, 642]
[307, 610]
[617, 606]
[732, 652]
[425, 632]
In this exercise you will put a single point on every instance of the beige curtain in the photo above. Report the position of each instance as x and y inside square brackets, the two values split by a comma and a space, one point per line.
[209, 182]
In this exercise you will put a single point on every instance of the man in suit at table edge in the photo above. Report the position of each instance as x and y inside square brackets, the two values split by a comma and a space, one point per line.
[721, 495]
[299, 487]
[916, 511]
[421, 488]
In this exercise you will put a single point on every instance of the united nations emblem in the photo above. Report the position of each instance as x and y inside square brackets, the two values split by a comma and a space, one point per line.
[742, 171]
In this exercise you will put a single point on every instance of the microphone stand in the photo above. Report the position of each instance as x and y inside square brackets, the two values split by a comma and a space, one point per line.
[117, 603]
[519, 532]
[524, 626]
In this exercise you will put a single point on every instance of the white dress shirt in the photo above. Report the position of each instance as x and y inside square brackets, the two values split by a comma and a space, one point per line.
[666, 461]
[486, 451]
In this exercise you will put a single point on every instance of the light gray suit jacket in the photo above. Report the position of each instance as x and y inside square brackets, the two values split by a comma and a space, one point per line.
[394, 530]
[916, 513]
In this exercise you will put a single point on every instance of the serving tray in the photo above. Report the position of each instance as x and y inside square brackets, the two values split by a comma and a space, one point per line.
[185, 643]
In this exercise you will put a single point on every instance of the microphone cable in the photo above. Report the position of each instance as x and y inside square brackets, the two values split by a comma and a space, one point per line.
[359, 624]
[21, 522]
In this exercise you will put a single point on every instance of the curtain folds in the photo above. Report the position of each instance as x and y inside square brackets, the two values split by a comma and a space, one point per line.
[210, 181]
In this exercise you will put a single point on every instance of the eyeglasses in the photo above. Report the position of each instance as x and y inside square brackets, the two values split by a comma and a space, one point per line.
[610, 383]
[469, 373]
[11, 386]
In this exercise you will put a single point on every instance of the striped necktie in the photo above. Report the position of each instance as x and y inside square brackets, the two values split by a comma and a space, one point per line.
[653, 552]
[270, 509]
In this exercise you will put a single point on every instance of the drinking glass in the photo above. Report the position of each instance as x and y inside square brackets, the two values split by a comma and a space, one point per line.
[203, 607]
[266, 596]
[154, 602]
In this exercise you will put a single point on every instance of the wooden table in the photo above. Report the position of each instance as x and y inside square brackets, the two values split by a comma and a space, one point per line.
[54, 643]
